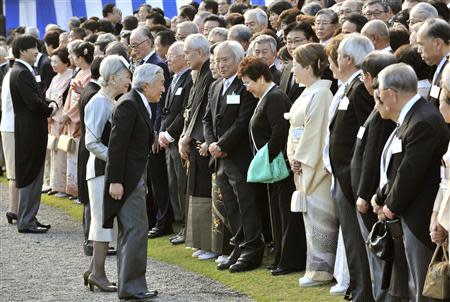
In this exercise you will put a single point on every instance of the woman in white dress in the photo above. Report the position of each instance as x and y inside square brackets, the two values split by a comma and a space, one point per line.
[309, 122]
[114, 80]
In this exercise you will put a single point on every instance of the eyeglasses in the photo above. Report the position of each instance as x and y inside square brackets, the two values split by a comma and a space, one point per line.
[134, 46]
[295, 41]
[375, 14]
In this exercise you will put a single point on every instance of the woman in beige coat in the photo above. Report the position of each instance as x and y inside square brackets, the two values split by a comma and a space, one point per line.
[309, 121]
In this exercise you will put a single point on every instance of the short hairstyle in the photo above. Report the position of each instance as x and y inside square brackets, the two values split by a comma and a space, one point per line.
[359, 21]
[398, 37]
[289, 15]
[91, 38]
[260, 16]
[314, 55]
[284, 55]
[85, 50]
[51, 38]
[63, 54]
[410, 55]
[197, 42]
[442, 9]
[107, 9]
[334, 18]
[277, 7]
[311, 9]
[239, 8]
[33, 31]
[145, 32]
[211, 5]
[157, 28]
[158, 10]
[117, 48]
[266, 39]
[395, 5]
[376, 61]
[304, 27]
[356, 47]
[166, 37]
[234, 18]
[130, 22]
[23, 42]
[104, 39]
[236, 49]
[240, 32]
[188, 25]
[402, 17]
[400, 77]
[111, 65]
[79, 33]
[145, 73]
[106, 26]
[74, 22]
[254, 68]
[217, 19]
[187, 11]
[156, 18]
[95, 67]
[223, 32]
[437, 29]
[424, 9]
[91, 25]
[384, 5]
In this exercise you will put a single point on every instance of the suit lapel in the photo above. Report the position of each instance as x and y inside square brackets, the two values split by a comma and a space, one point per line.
[143, 111]
[231, 90]
[172, 93]
[346, 93]
[404, 126]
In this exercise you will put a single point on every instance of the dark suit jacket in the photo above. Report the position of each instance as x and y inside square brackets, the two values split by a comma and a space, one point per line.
[198, 98]
[268, 124]
[46, 72]
[437, 82]
[174, 105]
[129, 146]
[414, 173]
[31, 111]
[293, 91]
[276, 74]
[83, 155]
[157, 107]
[227, 124]
[344, 127]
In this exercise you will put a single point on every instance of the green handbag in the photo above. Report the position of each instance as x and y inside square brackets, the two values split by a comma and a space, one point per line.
[263, 171]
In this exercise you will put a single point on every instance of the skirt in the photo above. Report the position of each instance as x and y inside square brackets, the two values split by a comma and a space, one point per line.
[96, 231]
[8, 150]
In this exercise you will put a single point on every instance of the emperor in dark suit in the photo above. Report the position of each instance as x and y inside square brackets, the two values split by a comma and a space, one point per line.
[225, 123]
[125, 184]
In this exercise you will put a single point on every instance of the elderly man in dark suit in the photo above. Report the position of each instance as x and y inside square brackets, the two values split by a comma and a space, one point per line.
[352, 110]
[265, 48]
[410, 167]
[172, 124]
[142, 44]
[125, 184]
[31, 111]
[226, 120]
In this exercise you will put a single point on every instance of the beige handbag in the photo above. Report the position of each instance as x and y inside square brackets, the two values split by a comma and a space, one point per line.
[437, 282]
[66, 143]
[51, 142]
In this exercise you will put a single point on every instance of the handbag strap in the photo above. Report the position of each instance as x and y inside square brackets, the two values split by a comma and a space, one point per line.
[438, 247]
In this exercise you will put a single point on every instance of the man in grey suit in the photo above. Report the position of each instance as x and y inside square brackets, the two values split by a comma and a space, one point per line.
[125, 188]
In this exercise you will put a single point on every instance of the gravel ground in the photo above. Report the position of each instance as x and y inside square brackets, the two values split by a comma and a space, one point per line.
[49, 267]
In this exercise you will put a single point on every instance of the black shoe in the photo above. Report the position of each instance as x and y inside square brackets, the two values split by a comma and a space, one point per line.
[34, 230]
[42, 225]
[180, 233]
[10, 216]
[142, 297]
[225, 265]
[178, 240]
[241, 266]
[271, 267]
[158, 232]
[88, 248]
[111, 251]
[280, 271]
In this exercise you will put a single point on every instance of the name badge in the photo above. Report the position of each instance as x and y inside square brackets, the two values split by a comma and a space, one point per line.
[297, 132]
[396, 145]
[343, 104]
[361, 131]
[38, 78]
[179, 90]
[233, 99]
[435, 91]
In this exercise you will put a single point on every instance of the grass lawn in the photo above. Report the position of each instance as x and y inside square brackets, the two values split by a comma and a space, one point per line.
[257, 284]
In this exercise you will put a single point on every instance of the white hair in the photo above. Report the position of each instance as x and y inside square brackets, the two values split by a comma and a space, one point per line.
[263, 39]
[239, 33]
[51, 26]
[223, 32]
[73, 44]
[400, 77]
[425, 10]
[197, 42]
[357, 47]
[32, 31]
[146, 73]
[235, 47]
[189, 26]
[178, 47]
[105, 38]
[260, 16]
[111, 65]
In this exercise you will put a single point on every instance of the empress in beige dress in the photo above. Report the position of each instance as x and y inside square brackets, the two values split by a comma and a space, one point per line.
[309, 120]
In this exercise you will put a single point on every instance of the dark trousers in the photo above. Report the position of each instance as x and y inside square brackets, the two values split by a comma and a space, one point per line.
[158, 183]
[242, 212]
[289, 229]
[177, 182]
[358, 265]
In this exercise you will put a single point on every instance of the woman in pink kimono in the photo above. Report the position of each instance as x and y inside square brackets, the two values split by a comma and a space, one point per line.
[57, 92]
[81, 55]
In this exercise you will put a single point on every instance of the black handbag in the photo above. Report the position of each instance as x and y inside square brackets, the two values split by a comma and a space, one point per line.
[380, 241]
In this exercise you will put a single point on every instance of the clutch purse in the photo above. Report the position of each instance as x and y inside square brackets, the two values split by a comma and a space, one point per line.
[437, 281]
[261, 170]
[298, 202]
[51, 142]
[380, 242]
[66, 143]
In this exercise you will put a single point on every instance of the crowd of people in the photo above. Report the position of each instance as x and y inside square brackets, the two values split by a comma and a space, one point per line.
[150, 122]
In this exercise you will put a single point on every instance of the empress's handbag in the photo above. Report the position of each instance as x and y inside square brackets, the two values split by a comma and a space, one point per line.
[437, 281]
[51, 142]
[298, 202]
[66, 143]
[261, 170]
[380, 242]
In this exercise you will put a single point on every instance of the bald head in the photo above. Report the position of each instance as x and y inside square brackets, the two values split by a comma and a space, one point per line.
[378, 32]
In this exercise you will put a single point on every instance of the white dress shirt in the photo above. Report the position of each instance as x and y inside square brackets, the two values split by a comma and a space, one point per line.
[227, 83]
[146, 104]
